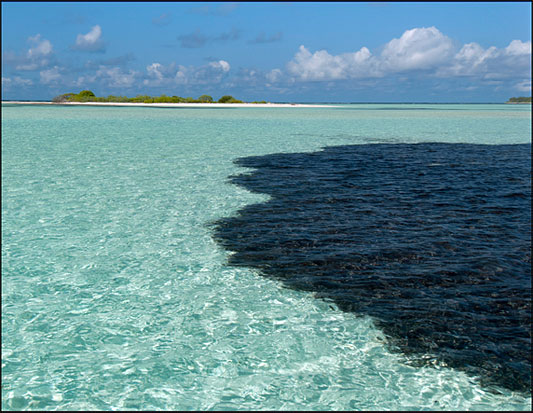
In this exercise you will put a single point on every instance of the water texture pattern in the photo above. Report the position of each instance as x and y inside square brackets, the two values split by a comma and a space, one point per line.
[433, 241]
[115, 295]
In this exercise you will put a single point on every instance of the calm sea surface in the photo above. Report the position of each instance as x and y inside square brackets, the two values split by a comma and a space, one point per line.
[369, 257]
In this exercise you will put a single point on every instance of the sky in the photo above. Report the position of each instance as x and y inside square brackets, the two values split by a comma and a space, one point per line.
[273, 51]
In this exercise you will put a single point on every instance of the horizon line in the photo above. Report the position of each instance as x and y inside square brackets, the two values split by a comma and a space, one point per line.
[329, 102]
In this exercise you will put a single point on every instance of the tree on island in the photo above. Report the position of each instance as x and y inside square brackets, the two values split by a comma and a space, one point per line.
[229, 99]
[205, 99]
[86, 94]
[63, 98]
[521, 99]
[89, 96]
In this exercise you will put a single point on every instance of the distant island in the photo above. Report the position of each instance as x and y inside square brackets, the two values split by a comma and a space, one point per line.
[523, 99]
[88, 96]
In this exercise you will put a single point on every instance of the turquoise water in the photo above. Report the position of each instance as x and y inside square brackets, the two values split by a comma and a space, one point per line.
[115, 295]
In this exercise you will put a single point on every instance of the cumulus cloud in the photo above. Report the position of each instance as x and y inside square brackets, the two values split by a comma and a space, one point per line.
[323, 66]
[16, 81]
[90, 42]
[117, 77]
[50, 76]
[472, 60]
[418, 49]
[274, 75]
[221, 64]
[38, 56]
[41, 47]
[517, 47]
[211, 73]
[154, 71]
[172, 74]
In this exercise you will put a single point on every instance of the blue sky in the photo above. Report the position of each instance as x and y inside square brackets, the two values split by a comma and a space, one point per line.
[280, 52]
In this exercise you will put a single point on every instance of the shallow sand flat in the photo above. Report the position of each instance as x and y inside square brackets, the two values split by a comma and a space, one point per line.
[176, 105]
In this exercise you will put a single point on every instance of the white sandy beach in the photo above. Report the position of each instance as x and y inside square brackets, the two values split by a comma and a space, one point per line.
[178, 105]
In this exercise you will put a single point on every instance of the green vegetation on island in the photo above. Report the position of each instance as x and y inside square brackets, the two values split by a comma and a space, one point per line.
[522, 99]
[88, 96]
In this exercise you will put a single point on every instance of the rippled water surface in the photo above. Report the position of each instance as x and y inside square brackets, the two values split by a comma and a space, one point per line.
[432, 240]
[121, 291]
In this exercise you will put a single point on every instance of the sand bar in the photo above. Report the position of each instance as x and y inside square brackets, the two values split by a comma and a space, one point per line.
[178, 105]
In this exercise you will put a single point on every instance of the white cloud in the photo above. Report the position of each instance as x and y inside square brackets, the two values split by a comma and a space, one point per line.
[116, 77]
[29, 66]
[517, 47]
[274, 75]
[90, 42]
[159, 75]
[50, 76]
[524, 86]
[38, 56]
[40, 47]
[16, 81]
[154, 70]
[221, 64]
[323, 66]
[83, 81]
[472, 60]
[211, 73]
[419, 48]
[110, 77]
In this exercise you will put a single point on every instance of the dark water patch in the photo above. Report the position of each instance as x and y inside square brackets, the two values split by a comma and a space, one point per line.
[416, 108]
[431, 240]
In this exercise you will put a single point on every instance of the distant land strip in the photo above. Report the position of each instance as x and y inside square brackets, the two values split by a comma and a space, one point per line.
[522, 99]
[87, 97]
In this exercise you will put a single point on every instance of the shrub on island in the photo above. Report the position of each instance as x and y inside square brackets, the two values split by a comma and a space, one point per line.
[205, 99]
[229, 99]
[89, 96]
[63, 98]
[521, 99]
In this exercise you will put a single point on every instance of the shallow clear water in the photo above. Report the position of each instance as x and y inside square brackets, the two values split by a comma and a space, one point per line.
[115, 294]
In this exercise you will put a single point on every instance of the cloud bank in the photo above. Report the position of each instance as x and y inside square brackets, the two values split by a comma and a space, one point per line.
[38, 56]
[158, 75]
[423, 50]
[421, 56]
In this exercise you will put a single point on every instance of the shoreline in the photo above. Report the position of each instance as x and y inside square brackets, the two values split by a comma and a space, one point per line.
[178, 105]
